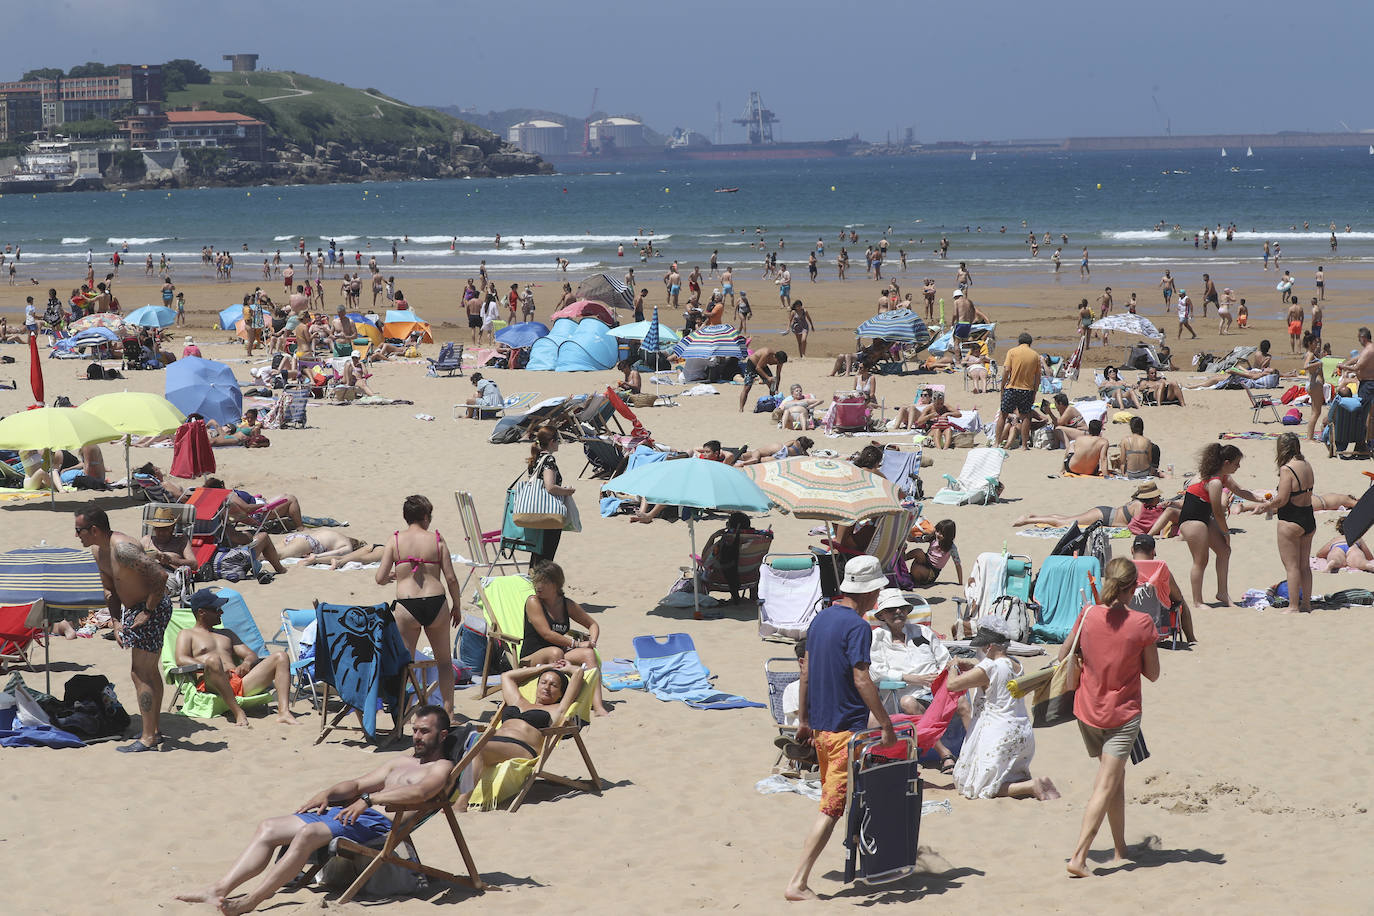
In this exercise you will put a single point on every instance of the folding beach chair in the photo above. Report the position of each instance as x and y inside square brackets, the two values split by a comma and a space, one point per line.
[483, 547]
[604, 459]
[978, 482]
[17, 637]
[406, 818]
[789, 595]
[1259, 403]
[449, 361]
[849, 412]
[295, 629]
[185, 694]
[780, 673]
[753, 546]
[211, 527]
[1345, 422]
[516, 777]
[503, 607]
[295, 401]
[360, 659]
[903, 471]
[151, 489]
[1061, 590]
[884, 808]
[1152, 591]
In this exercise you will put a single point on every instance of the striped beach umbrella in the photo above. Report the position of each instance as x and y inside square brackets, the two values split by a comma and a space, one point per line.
[825, 488]
[66, 581]
[897, 325]
[712, 341]
[99, 320]
[651, 336]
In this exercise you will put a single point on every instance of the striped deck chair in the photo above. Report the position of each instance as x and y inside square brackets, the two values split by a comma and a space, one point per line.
[294, 402]
[483, 547]
[979, 482]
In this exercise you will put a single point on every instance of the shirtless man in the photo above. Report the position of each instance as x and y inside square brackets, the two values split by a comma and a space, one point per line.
[1209, 293]
[966, 314]
[168, 549]
[1088, 453]
[765, 363]
[1168, 287]
[1068, 422]
[139, 605]
[345, 809]
[217, 650]
[1362, 364]
[342, 326]
[672, 283]
[929, 292]
[473, 307]
[1295, 322]
[727, 285]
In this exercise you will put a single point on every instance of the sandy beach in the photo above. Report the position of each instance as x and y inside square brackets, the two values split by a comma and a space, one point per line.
[1256, 796]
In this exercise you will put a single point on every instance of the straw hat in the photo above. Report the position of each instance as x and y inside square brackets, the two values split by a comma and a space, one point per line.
[163, 518]
[1147, 491]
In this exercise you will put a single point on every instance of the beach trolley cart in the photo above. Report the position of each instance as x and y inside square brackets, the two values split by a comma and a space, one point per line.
[885, 794]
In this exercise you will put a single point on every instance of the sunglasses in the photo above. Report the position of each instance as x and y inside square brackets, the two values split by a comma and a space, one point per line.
[84, 528]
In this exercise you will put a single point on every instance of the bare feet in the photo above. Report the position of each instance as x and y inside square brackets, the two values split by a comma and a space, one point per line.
[206, 896]
[1045, 790]
[241, 719]
[1224, 601]
[799, 893]
[1021, 522]
[286, 718]
[1077, 870]
[236, 906]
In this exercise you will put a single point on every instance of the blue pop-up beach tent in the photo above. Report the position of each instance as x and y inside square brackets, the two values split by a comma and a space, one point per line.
[574, 346]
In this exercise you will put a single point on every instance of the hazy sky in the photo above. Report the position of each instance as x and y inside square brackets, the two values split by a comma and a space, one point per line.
[951, 70]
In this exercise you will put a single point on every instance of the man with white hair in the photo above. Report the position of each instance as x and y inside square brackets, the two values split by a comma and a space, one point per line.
[837, 696]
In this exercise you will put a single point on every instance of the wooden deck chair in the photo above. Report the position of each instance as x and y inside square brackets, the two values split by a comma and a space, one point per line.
[406, 819]
[483, 547]
[518, 776]
[503, 607]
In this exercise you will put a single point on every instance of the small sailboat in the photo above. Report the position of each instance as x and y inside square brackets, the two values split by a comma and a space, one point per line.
[1371, 151]
[1249, 152]
[1223, 152]
[974, 156]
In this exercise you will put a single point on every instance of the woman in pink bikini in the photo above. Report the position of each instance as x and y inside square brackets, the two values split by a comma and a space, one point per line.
[419, 561]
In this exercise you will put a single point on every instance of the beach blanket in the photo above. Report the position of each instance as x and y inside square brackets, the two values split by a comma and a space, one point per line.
[620, 674]
[322, 521]
[1060, 589]
[38, 736]
[671, 670]
[372, 400]
[1047, 531]
[364, 660]
[1248, 434]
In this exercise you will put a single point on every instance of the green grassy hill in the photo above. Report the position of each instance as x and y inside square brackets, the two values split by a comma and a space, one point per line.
[306, 110]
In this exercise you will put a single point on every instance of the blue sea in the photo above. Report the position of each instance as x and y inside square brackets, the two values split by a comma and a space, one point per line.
[1109, 202]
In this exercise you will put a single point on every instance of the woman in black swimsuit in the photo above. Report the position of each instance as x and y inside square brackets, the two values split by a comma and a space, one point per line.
[419, 561]
[523, 723]
[1297, 523]
[548, 618]
[1202, 518]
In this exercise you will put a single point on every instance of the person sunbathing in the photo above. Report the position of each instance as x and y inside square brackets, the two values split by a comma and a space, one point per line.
[1088, 454]
[345, 809]
[907, 414]
[353, 375]
[1146, 513]
[243, 505]
[1116, 392]
[523, 722]
[871, 355]
[796, 410]
[935, 419]
[232, 670]
[316, 544]
[632, 382]
[1160, 388]
[776, 451]
[228, 434]
[1338, 555]
[1139, 457]
[169, 487]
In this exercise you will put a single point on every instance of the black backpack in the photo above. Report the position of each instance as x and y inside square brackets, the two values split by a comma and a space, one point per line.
[95, 372]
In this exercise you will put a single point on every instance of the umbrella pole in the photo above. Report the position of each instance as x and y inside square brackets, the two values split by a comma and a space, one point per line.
[52, 481]
[696, 580]
[128, 467]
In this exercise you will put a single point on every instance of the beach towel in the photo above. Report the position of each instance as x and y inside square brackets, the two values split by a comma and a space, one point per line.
[671, 670]
[1248, 434]
[903, 470]
[620, 674]
[1060, 589]
[987, 581]
[1055, 533]
[38, 736]
[192, 455]
[365, 659]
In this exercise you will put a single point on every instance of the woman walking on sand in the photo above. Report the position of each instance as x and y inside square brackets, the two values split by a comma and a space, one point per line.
[1116, 646]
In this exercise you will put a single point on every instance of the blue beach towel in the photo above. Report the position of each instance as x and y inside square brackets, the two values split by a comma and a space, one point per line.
[363, 658]
[620, 674]
[672, 671]
[38, 736]
[1059, 589]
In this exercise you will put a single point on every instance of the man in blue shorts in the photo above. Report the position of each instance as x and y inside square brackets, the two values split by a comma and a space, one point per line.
[1361, 362]
[343, 810]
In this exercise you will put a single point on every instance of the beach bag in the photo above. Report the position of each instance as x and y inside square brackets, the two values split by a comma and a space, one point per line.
[1015, 612]
[1293, 392]
[535, 507]
[95, 372]
[1052, 701]
[1293, 417]
[514, 537]
[234, 564]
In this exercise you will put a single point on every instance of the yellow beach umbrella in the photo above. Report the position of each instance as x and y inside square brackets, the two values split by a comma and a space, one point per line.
[49, 428]
[135, 413]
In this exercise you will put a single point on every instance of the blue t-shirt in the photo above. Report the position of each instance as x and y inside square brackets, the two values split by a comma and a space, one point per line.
[837, 640]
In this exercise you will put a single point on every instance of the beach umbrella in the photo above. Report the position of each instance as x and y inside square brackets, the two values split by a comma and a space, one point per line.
[152, 316]
[712, 341]
[231, 316]
[135, 413]
[99, 320]
[35, 370]
[827, 489]
[585, 308]
[92, 337]
[522, 335]
[360, 318]
[48, 428]
[206, 387]
[1127, 323]
[62, 579]
[401, 315]
[653, 336]
[639, 330]
[694, 483]
[1360, 519]
[897, 325]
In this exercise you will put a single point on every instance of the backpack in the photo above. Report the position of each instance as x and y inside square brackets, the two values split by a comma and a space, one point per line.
[95, 372]
[1015, 612]
[234, 564]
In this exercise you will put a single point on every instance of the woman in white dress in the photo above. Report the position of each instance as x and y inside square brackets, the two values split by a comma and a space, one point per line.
[995, 759]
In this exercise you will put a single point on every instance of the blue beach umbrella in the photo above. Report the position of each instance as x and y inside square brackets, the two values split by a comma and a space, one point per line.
[897, 325]
[231, 316]
[206, 387]
[696, 483]
[652, 337]
[152, 316]
[522, 335]
[360, 317]
[711, 341]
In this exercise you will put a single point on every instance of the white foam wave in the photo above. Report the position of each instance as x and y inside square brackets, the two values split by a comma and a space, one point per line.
[335, 238]
[1140, 235]
[1170, 235]
[138, 241]
[514, 238]
[416, 239]
[573, 267]
[75, 241]
[1304, 235]
[518, 253]
[285, 238]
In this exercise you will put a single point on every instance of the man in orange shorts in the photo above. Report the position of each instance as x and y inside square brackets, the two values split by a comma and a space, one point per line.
[231, 669]
[837, 697]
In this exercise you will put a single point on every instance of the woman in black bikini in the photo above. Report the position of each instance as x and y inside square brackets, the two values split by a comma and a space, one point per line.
[522, 723]
[1297, 523]
[419, 561]
[1202, 519]
[548, 617]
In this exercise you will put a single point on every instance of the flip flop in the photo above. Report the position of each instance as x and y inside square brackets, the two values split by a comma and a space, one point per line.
[947, 764]
[139, 747]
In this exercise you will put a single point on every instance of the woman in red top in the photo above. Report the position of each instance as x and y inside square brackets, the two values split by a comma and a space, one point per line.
[1202, 519]
[1116, 647]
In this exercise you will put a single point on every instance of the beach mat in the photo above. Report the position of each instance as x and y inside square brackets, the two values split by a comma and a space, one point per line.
[671, 670]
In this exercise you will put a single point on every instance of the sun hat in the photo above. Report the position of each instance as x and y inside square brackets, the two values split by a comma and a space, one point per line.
[1147, 491]
[863, 574]
[163, 518]
[958, 293]
[892, 599]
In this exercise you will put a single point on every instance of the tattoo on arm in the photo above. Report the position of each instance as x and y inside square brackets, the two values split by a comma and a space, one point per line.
[130, 556]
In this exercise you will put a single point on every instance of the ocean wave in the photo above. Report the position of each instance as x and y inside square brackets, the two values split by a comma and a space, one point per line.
[573, 267]
[518, 253]
[416, 239]
[138, 241]
[1140, 235]
[514, 238]
[285, 238]
[335, 238]
[1303, 235]
[76, 241]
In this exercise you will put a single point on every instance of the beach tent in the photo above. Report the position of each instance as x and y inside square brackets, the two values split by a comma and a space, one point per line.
[400, 324]
[574, 346]
[607, 290]
[231, 316]
[586, 308]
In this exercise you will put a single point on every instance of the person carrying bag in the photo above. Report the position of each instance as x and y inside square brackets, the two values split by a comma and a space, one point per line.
[541, 502]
